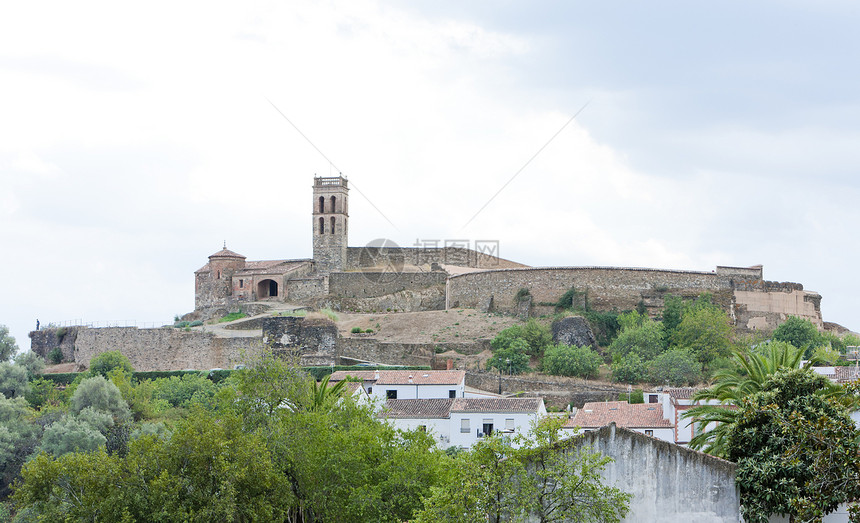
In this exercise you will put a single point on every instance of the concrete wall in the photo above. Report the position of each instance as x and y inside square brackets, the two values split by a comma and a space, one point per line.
[669, 483]
[164, 348]
[375, 284]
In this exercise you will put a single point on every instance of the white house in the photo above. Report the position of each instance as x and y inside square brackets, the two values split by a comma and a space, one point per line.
[408, 384]
[646, 418]
[461, 422]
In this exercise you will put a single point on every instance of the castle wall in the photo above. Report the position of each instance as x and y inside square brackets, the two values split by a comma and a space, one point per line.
[426, 299]
[608, 288]
[164, 348]
[303, 289]
[369, 349]
[755, 310]
[363, 257]
[374, 284]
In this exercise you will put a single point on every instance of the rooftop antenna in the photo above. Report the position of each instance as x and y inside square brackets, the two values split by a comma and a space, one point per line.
[225, 245]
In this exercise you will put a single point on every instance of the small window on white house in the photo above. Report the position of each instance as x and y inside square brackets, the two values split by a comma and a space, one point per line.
[464, 426]
[509, 424]
[649, 432]
[391, 394]
[452, 393]
[652, 398]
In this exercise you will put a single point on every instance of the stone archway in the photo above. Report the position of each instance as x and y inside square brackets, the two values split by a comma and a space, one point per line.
[267, 289]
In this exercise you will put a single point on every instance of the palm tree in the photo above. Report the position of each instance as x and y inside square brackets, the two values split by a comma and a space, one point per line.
[731, 387]
[322, 396]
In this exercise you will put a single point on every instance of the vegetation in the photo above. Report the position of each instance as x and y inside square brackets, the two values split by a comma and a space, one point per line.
[8, 347]
[511, 357]
[102, 364]
[677, 367]
[546, 477]
[801, 333]
[564, 360]
[796, 449]
[233, 316]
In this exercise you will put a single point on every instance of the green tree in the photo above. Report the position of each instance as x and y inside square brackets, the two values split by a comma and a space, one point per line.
[646, 340]
[8, 347]
[14, 381]
[107, 361]
[536, 336]
[19, 436]
[183, 391]
[32, 362]
[102, 395]
[731, 386]
[706, 331]
[796, 449]
[676, 367]
[564, 360]
[510, 357]
[673, 309]
[71, 434]
[631, 319]
[546, 478]
[800, 332]
[630, 369]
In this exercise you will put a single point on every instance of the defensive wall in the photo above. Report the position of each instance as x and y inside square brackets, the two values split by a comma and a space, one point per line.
[149, 349]
[360, 257]
[375, 284]
[669, 483]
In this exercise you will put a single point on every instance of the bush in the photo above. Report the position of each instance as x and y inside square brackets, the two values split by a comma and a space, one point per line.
[233, 316]
[369, 331]
[522, 294]
[183, 391]
[355, 330]
[564, 360]
[71, 435]
[629, 369]
[330, 314]
[14, 381]
[195, 323]
[30, 361]
[512, 357]
[634, 396]
[677, 367]
[603, 324]
[107, 361]
[646, 340]
[181, 324]
[102, 395]
[536, 336]
[801, 333]
[56, 356]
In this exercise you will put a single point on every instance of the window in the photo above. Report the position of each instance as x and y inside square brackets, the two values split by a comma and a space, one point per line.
[464, 426]
[241, 284]
[333, 208]
[652, 398]
[488, 427]
[649, 432]
[391, 394]
[509, 424]
[322, 225]
[452, 393]
[322, 203]
[332, 224]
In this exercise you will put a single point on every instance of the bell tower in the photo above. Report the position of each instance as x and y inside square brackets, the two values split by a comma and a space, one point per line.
[330, 223]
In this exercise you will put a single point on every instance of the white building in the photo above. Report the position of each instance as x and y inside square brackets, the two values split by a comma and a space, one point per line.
[461, 422]
[408, 384]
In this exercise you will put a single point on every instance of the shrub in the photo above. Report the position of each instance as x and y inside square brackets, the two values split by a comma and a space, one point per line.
[30, 361]
[512, 357]
[14, 381]
[564, 360]
[355, 330]
[536, 336]
[233, 316]
[56, 356]
[330, 314]
[629, 369]
[195, 323]
[646, 340]
[603, 324]
[522, 295]
[102, 395]
[369, 331]
[634, 396]
[676, 367]
[181, 324]
[107, 361]
[71, 435]
[801, 333]
[183, 391]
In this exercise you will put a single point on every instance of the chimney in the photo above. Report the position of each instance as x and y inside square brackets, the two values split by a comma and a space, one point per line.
[449, 364]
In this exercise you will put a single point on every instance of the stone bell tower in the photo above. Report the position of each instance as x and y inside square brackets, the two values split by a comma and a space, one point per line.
[330, 223]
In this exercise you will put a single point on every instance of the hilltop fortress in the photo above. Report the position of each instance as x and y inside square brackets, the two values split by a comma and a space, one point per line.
[387, 277]
[383, 277]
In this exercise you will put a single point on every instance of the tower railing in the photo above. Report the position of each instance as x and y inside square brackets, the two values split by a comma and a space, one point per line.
[336, 181]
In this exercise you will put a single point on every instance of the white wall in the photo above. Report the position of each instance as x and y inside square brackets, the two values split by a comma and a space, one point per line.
[410, 392]
[522, 425]
[439, 428]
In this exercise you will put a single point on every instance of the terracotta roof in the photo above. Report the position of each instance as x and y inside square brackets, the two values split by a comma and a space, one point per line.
[352, 387]
[421, 377]
[401, 377]
[496, 405]
[641, 415]
[269, 267]
[226, 253]
[340, 375]
[681, 393]
[427, 408]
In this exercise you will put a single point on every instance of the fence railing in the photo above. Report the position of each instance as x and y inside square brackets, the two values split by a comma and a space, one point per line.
[104, 324]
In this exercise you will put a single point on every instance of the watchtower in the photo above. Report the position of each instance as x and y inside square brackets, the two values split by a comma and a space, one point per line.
[330, 223]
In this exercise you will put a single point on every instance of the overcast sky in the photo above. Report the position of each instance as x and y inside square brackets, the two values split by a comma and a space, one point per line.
[135, 139]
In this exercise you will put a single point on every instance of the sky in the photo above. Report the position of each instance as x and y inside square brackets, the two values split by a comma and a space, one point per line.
[135, 139]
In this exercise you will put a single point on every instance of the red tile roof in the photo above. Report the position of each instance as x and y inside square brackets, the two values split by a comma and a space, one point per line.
[340, 375]
[226, 253]
[641, 415]
[427, 408]
[496, 405]
[681, 393]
